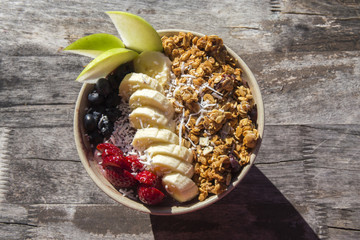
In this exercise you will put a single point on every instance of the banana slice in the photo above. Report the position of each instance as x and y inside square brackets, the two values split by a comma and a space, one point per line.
[146, 136]
[172, 150]
[180, 187]
[165, 164]
[152, 98]
[143, 117]
[155, 64]
[135, 81]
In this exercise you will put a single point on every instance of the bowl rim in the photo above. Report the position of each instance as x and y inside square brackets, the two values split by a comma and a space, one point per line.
[106, 187]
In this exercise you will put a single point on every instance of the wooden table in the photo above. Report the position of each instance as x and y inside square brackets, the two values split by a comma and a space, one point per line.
[305, 184]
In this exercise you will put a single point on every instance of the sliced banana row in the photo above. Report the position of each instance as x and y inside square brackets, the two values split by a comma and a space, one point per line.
[155, 65]
[180, 187]
[151, 98]
[144, 117]
[172, 150]
[152, 116]
[134, 81]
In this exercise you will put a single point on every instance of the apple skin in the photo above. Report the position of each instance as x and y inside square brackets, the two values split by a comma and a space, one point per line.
[105, 63]
[94, 44]
[136, 33]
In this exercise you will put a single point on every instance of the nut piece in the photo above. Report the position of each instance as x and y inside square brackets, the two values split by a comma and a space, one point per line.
[204, 141]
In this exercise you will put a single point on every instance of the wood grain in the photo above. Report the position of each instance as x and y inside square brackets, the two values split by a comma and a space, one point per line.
[305, 183]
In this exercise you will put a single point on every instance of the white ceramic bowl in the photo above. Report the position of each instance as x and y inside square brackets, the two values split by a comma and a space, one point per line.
[85, 152]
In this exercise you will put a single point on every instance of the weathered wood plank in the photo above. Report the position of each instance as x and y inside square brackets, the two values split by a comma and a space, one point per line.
[88, 222]
[338, 218]
[48, 181]
[297, 88]
[287, 151]
[39, 80]
[295, 180]
[274, 25]
[309, 88]
[13, 231]
[14, 222]
[38, 116]
[49, 144]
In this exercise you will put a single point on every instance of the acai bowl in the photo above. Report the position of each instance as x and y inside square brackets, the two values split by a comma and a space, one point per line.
[190, 147]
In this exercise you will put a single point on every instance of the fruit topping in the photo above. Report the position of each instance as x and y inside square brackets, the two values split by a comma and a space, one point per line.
[95, 98]
[180, 187]
[95, 137]
[89, 122]
[127, 172]
[113, 161]
[109, 149]
[95, 44]
[112, 100]
[105, 63]
[102, 112]
[103, 87]
[132, 163]
[119, 178]
[147, 178]
[136, 33]
[150, 195]
[154, 64]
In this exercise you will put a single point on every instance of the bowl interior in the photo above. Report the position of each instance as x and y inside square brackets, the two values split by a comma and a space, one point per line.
[91, 166]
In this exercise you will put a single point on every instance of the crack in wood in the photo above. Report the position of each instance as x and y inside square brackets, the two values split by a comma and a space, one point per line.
[42, 126]
[344, 228]
[35, 105]
[338, 169]
[282, 161]
[306, 13]
[333, 127]
[19, 223]
[244, 27]
[51, 160]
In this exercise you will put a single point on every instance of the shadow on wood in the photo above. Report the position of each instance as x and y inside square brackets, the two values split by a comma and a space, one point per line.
[256, 209]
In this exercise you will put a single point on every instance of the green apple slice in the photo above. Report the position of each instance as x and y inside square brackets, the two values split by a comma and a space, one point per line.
[136, 33]
[95, 44]
[105, 63]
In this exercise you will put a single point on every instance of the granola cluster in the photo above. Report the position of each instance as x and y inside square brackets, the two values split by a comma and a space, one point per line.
[216, 113]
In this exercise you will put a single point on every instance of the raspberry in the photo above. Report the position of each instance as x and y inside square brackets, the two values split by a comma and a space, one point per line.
[147, 178]
[150, 195]
[119, 178]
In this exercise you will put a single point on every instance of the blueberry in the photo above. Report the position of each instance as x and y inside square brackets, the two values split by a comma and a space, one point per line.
[124, 69]
[102, 86]
[97, 112]
[95, 137]
[89, 122]
[113, 83]
[112, 100]
[95, 98]
[113, 114]
[107, 130]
